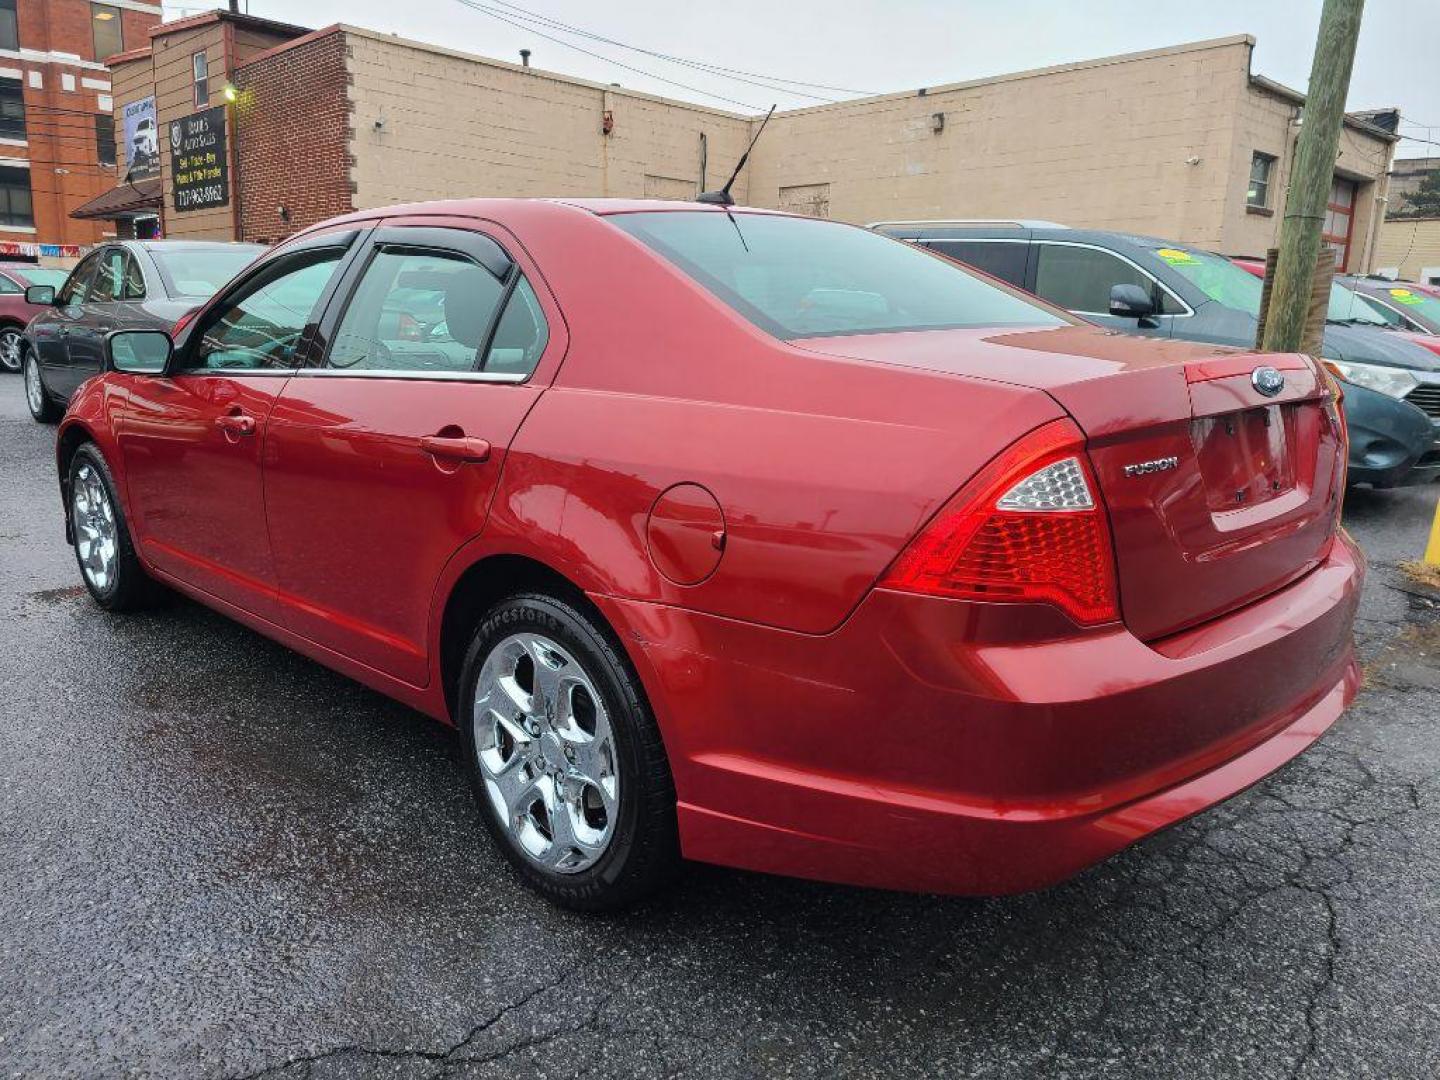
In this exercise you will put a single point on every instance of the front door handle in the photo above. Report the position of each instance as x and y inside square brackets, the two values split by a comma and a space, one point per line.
[236, 424]
[456, 447]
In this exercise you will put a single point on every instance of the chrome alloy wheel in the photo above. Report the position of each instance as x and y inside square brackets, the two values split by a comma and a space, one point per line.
[10, 355]
[546, 752]
[34, 391]
[93, 517]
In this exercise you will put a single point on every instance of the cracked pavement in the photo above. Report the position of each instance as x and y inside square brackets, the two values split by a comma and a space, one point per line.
[218, 859]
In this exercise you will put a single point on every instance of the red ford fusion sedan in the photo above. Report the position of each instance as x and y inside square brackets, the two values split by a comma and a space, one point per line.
[741, 537]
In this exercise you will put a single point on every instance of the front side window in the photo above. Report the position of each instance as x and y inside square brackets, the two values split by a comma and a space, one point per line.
[77, 286]
[109, 281]
[417, 311]
[261, 325]
[106, 29]
[1002, 259]
[9, 26]
[12, 109]
[1258, 193]
[802, 277]
[1080, 278]
[201, 64]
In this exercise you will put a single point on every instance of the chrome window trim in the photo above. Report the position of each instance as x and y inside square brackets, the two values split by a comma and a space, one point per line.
[423, 376]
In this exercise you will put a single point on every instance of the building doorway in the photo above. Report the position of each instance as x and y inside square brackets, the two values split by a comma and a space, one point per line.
[1340, 221]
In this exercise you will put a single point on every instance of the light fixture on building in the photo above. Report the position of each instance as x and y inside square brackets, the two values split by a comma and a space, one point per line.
[104, 16]
[231, 92]
[937, 122]
[284, 212]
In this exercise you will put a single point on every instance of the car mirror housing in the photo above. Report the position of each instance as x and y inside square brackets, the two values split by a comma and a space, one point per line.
[1129, 301]
[139, 352]
[41, 295]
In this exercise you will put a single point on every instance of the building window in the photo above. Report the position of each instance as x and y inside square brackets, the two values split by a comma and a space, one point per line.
[201, 63]
[105, 27]
[105, 138]
[12, 109]
[16, 209]
[1259, 191]
[9, 26]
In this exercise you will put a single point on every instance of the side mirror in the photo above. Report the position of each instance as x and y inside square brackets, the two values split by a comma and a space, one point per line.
[139, 352]
[1130, 302]
[42, 295]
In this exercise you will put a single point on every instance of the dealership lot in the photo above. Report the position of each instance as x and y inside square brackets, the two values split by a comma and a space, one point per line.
[219, 859]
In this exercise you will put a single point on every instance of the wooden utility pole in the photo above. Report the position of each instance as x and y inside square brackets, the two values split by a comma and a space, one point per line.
[1314, 174]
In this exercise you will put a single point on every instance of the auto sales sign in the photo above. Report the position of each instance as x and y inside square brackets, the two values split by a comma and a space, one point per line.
[200, 173]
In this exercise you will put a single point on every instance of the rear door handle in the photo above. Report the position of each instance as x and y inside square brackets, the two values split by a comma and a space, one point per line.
[456, 447]
[236, 424]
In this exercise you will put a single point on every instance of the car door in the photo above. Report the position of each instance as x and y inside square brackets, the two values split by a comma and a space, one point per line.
[382, 462]
[1079, 276]
[85, 341]
[50, 331]
[194, 439]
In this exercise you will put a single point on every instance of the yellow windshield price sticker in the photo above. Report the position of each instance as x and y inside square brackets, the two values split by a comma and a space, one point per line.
[1176, 257]
[1404, 296]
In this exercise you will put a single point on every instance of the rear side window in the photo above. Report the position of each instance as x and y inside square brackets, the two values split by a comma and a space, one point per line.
[521, 336]
[1002, 259]
[801, 277]
[1080, 278]
[417, 311]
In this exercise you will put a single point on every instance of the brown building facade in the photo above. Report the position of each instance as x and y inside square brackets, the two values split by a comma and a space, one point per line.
[1184, 143]
[57, 141]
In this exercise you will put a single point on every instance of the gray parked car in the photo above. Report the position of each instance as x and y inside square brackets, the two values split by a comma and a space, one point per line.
[125, 285]
[1159, 288]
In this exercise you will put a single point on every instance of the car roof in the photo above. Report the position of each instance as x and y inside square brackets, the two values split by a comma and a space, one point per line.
[189, 245]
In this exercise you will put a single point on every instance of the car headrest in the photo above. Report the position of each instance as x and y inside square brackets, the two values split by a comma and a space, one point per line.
[466, 315]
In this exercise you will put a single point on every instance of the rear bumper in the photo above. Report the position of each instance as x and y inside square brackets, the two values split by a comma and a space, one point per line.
[921, 747]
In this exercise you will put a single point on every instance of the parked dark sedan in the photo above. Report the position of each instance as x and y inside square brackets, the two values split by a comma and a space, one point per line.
[1158, 288]
[15, 310]
[127, 285]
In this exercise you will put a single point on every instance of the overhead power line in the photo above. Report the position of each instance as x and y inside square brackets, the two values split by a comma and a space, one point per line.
[768, 82]
[506, 18]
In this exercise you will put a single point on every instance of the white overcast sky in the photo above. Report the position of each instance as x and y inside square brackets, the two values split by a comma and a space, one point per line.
[888, 45]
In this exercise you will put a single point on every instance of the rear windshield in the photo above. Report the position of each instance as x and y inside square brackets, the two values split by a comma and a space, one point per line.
[800, 278]
[200, 272]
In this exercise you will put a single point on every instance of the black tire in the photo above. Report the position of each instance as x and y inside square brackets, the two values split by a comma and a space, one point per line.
[127, 587]
[12, 346]
[41, 405]
[643, 851]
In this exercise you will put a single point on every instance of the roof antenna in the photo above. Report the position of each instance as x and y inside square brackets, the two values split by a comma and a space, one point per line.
[722, 197]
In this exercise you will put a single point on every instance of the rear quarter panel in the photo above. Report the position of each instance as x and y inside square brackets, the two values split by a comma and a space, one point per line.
[823, 467]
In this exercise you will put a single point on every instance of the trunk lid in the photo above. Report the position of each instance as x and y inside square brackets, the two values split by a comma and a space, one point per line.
[1217, 493]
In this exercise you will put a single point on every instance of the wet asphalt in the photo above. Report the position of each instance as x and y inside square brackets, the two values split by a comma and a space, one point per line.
[218, 859]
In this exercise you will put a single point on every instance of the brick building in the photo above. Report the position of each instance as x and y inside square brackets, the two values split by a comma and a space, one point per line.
[57, 139]
[1184, 142]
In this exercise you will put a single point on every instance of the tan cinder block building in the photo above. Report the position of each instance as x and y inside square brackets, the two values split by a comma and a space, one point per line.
[1182, 142]
[1161, 142]
[1410, 249]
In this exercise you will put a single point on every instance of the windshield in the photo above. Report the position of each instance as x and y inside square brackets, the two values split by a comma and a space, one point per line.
[1217, 277]
[1420, 306]
[800, 277]
[201, 271]
[39, 275]
[1349, 306]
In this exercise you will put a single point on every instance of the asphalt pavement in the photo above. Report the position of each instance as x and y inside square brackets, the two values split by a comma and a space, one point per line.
[218, 859]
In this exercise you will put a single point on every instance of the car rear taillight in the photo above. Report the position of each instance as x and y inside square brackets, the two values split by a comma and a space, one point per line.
[1027, 528]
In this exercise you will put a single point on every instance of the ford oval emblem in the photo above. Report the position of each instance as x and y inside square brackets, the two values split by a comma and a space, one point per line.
[1267, 381]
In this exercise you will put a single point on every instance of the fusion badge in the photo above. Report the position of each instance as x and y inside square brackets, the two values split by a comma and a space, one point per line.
[1144, 468]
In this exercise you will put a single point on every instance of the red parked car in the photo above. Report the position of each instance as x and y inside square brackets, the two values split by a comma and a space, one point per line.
[15, 311]
[742, 537]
